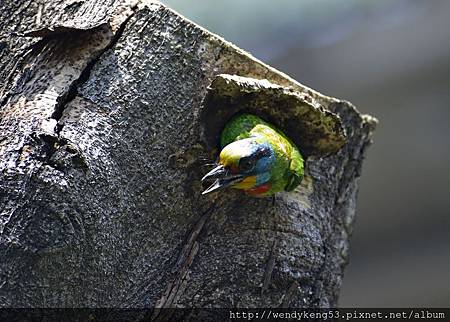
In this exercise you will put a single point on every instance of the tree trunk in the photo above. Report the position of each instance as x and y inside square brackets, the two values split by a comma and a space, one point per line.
[100, 193]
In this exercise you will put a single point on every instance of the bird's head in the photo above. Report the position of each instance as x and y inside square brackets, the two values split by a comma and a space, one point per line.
[243, 164]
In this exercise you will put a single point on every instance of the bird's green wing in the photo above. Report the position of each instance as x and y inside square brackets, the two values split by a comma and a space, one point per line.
[295, 169]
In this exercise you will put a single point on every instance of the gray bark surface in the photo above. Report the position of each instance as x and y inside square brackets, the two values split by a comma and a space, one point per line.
[100, 193]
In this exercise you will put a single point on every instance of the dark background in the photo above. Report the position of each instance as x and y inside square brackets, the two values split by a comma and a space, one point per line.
[391, 58]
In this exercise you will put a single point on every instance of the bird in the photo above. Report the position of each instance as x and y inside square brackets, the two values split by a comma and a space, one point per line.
[255, 157]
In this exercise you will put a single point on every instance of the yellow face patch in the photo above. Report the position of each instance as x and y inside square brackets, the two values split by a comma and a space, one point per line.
[247, 183]
[230, 156]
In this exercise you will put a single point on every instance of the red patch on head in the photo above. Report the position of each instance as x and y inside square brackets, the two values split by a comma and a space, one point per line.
[259, 190]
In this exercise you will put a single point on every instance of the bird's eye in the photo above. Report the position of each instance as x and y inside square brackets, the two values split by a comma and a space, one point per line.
[246, 164]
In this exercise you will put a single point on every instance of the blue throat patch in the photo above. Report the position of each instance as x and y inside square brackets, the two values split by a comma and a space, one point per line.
[264, 165]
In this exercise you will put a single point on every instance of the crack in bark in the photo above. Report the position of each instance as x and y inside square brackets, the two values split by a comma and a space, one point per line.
[72, 93]
[51, 144]
[181, 268]
[269, 267]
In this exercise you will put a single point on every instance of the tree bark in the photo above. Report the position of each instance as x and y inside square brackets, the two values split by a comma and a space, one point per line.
[100, 193]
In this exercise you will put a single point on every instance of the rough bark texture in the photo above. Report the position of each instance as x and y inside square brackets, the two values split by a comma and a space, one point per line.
[100, 202]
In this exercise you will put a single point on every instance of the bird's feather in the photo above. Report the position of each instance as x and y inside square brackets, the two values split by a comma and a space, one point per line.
[288, 171]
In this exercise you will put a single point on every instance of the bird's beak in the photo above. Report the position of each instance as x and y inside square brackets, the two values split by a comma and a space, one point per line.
[222, 179]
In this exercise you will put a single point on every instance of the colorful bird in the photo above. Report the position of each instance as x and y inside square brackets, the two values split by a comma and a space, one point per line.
[257, 158]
